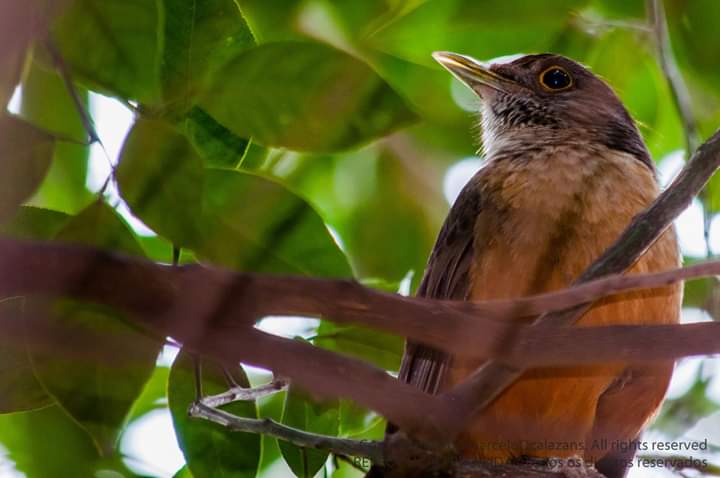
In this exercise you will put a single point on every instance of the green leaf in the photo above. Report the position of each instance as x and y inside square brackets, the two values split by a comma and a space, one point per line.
[380, 349]
[19, 388]
[161, 177]
[113, 46]
[15, 36]
[25, 156]
[47, 104]
[100, 226]
[34, 223]
[200, 36]
[183, 472]
[272, 21]
[96, 388]
[50, 434]
[153, 396]
[271, 407]
[232, 218]
[211, 450]
[357, 421]
[258, 225]
[304, 96]
[216, 144]
[317, 417]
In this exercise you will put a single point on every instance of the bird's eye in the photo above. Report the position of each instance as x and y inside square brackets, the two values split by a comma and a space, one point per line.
[555, 78]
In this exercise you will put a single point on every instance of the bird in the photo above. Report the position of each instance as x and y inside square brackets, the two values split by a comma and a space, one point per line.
[565, 171]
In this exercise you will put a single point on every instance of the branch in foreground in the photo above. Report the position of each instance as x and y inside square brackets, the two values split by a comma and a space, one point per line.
[199, 306]
[236, 394]
[182, 300]
[473, 395]
[372, 450]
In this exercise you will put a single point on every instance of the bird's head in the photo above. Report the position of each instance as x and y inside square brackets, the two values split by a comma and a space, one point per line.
[545, 99]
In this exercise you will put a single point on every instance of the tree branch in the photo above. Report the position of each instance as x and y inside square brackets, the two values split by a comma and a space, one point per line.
[679, 90]
[358, 448]
[475, 393]
[212, 311]
[236, 394]
[183, 298]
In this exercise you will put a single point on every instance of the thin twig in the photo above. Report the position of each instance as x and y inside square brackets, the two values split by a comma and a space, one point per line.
[372, 450]
[72, 90]
[241, 393]
[678, 87]
[679, 92]
[487, 383]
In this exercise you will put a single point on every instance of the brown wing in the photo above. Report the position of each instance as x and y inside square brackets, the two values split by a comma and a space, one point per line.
[447, 276]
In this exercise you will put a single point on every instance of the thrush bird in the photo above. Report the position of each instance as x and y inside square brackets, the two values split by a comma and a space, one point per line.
[565, 171]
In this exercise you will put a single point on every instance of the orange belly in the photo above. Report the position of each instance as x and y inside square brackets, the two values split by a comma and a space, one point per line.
[553, 412]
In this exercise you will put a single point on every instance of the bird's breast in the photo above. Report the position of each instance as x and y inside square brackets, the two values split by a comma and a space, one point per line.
[548, 218]
[554, 213]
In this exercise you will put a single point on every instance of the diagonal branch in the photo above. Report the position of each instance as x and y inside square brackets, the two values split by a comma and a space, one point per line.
[481, 388]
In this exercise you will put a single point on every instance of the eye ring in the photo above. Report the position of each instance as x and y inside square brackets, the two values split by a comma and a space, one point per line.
[555, 78]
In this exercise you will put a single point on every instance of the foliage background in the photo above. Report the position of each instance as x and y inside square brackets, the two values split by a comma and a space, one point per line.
[257, 124]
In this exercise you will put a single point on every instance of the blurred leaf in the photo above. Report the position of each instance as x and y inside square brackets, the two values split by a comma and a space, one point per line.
[200, 36]
[154, 394]
[401, 205]
[113, 46]
[261, 226]
[216, 144]
[100, 226]
[16, 31]
[304, 413]
[19, 388]
[484, 30]
[47, 104]
[694, 39]
[317, 98]
[680, 414]
[65, 185]
[697, 292]
[380, 349]
[211, 450]
[161, 177]
[34, 224]
[619, 9]
[272, 20]
[347, 470]
[272, 407]
[255, 157]
[356, 420]
[46, 443]
[99, 388]
[25, 155]
[183, 472]
[236, 219]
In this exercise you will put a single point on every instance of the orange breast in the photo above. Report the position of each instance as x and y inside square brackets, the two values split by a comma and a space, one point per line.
[551, 234]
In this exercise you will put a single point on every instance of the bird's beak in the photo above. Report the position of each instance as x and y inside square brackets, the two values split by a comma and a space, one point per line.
[471, 72]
